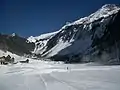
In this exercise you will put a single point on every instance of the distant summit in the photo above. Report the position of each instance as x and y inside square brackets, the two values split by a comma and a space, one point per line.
[111, 6]
[13, 34]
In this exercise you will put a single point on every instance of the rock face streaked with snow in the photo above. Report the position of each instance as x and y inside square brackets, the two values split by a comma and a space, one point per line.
[98, 32]
[41, 41]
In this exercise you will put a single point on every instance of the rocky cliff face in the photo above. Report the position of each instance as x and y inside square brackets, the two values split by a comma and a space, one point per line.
[89, 36]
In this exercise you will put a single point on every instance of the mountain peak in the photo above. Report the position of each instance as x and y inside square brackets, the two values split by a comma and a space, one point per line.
[110, 6]
[105, 11]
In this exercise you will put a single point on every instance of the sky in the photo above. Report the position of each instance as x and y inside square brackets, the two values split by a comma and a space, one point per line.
[35, 17]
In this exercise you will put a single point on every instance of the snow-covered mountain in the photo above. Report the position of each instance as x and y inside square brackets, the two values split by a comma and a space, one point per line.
[81, 37]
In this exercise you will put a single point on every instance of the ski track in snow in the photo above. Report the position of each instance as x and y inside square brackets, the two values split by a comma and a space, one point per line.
[45, 83]
[61, 81]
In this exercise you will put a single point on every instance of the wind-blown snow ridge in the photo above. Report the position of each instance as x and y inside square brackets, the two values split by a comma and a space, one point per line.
[42, 36]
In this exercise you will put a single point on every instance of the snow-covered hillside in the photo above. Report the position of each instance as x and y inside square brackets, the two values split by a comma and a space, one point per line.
[80, 37]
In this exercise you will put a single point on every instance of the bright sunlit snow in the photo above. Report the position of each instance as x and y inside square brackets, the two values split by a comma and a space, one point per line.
[43, 75]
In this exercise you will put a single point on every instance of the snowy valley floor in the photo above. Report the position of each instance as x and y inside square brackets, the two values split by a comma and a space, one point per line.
[40, 75]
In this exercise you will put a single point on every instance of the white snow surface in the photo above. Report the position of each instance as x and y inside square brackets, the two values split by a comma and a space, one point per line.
[43, 75]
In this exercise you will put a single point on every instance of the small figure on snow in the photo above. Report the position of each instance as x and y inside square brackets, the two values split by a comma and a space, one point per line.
[67, 68]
